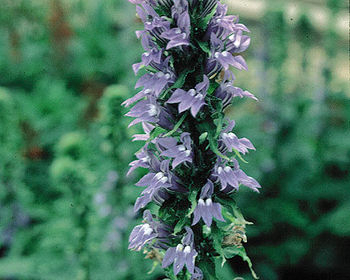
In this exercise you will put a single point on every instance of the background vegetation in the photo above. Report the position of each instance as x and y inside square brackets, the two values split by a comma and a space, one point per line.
[65, 203]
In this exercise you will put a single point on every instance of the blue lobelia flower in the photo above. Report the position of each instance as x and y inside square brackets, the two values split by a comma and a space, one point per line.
[145, 159]
[156, 82]
[183, 254]
[206, 208]
[224, 57]
[152, 54]
[158, 181]
[150, 231]
[231, 142]
[179, 36]
[192, 99]
[150, 111]
[231, 177]
[142, 234]
[197, 274]
[179, 152]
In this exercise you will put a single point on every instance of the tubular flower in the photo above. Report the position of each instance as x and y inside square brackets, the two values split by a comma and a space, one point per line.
[183, 254]
[206, 208]
[191, 150]
[180, 152]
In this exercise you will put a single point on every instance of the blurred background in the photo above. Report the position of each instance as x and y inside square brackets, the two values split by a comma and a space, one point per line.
[65, 203]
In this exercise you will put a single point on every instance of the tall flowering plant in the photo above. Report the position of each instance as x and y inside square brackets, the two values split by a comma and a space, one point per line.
[190, 150]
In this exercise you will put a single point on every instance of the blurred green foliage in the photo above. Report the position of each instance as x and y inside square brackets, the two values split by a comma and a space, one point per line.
[65, 203]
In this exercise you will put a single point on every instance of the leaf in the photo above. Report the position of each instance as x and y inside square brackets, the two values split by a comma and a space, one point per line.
[202, 137]
[230, 252]
[179, 82]
[220, 121]
[170, 273]
[208, 268]
[203, 23]
[237, 217]
[213, 86]
[237, 212]
[180, 225]
[177, 125]
[182, 78]
[204, 46]
[193, 199]
[155, 133]
[153, 267]
[214, 147]
[167, 212]
[217, 242]
[239, 156]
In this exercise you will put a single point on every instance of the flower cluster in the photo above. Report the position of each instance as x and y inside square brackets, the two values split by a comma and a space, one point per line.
[191, 151]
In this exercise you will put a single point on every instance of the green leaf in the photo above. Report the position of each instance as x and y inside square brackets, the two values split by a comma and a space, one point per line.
[239, 156]
[213, 86]
[155, 133]
[214, 147]
[208, 268]
[155, 263]
[204, 21]
[204, 46]
[230, 252]
[193, 199]
[217, 236]
[202, 137]
[220, 121]
[237, 212]
[181, 79]
[230, 204]
[180, 224]
[177, 125]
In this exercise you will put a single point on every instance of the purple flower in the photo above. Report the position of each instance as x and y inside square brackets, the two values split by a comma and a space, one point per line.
[145, 159]
[136, 1]
[142, 234]
[237, 42]
[181, 255]
[226, 59]
[149, 110]
[230, 141]
[181, 153]
[179, 36]
[157, 182]
[151, 230]
[206, 208]
[154, 24]
[197, 274]
[226, 91]
[192, 99]
[145, 111]
[222, 25]
[152, 55]
[230, 177]
[222, 56]
[143, 93]
[158, 196]
[147, 128]
[155, 83]
[176, 38]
